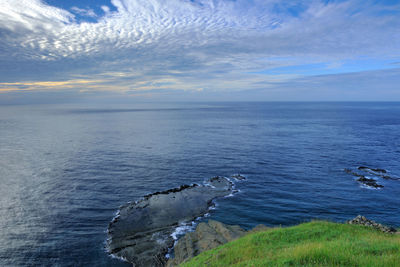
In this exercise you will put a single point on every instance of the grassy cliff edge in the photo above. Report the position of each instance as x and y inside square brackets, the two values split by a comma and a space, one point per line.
[316, 243]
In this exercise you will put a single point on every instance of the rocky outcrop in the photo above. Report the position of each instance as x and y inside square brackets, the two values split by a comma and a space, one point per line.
[238, 177]
[349, 171]
[364, 221]
[372, 169]
[206, 236]
[364, 180]
[141, 231]
[369, 182]
[378, 172]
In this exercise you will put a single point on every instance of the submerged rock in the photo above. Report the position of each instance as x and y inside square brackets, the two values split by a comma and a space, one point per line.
[378, 172]
[238, 176]
[354, 173]
[207, 236]
[369, 182]
[364, 180]
[372, 169]
[141, 232]
[364, 221]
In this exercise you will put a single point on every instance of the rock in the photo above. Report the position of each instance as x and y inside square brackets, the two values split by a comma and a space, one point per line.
[369, 182]
[387, 177]
[238, 177]
[141, 232]
[206, 236]
[362, 179]
[376, 172]
[361, 220]
[363, 168]
[379, 170]
[354, 173]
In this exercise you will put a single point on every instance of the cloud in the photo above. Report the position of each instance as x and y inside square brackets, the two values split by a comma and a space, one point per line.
[45, 85]
[225, 26]
[106, 9]
[182, 44]
[375, 85]
[84, 12]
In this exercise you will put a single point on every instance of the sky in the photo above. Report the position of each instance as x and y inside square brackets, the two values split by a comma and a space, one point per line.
[189, 50]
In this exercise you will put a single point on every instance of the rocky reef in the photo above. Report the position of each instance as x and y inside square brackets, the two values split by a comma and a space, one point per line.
[364, 180]
[238, 177]
[377, 173]
[364, 221]
[141, 231]
[207, 236]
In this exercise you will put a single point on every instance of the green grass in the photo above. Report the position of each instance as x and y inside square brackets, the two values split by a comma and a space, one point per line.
[316, 243]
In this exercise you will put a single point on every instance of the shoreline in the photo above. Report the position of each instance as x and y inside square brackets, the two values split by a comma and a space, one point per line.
[143, 232]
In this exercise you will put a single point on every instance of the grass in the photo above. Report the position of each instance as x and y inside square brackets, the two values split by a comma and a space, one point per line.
[316, 243]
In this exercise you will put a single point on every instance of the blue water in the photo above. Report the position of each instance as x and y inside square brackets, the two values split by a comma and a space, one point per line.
[65, 169]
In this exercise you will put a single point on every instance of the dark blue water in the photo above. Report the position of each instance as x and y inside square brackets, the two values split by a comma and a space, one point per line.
[64, 170]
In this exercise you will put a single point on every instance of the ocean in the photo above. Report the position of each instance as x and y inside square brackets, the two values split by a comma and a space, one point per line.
[65, 169]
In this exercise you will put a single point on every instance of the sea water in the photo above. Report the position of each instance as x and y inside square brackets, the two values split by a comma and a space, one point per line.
[65, 169]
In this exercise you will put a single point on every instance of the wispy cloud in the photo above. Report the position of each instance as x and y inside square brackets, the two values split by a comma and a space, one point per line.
[45, 85]
[84, 12]
[189, 45]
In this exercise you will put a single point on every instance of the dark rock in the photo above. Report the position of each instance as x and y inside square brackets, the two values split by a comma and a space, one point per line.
[373, 184]
[369, 182]
[349, 171]
[387, 177]
[379, 170]
[206, 236]
[362, 179]
[141, 232]
[238, 177]
[363, 168]
[361, 220]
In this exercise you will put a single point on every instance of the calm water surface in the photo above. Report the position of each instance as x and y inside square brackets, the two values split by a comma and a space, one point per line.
[65, 169]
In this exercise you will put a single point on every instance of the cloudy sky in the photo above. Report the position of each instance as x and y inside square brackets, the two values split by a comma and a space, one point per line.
[200, 49]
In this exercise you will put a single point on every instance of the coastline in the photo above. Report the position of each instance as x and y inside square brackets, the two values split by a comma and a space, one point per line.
[358, 242]
[175, 238]
[143, 232]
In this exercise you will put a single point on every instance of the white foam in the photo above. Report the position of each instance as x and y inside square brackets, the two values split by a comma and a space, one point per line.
[369, 187]
[235, 175]
[179, 231]
[118, 257]
[182, 229]
[106, 248]
[230, 195]
[213, 206]
[208, 184]
[116, 216]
